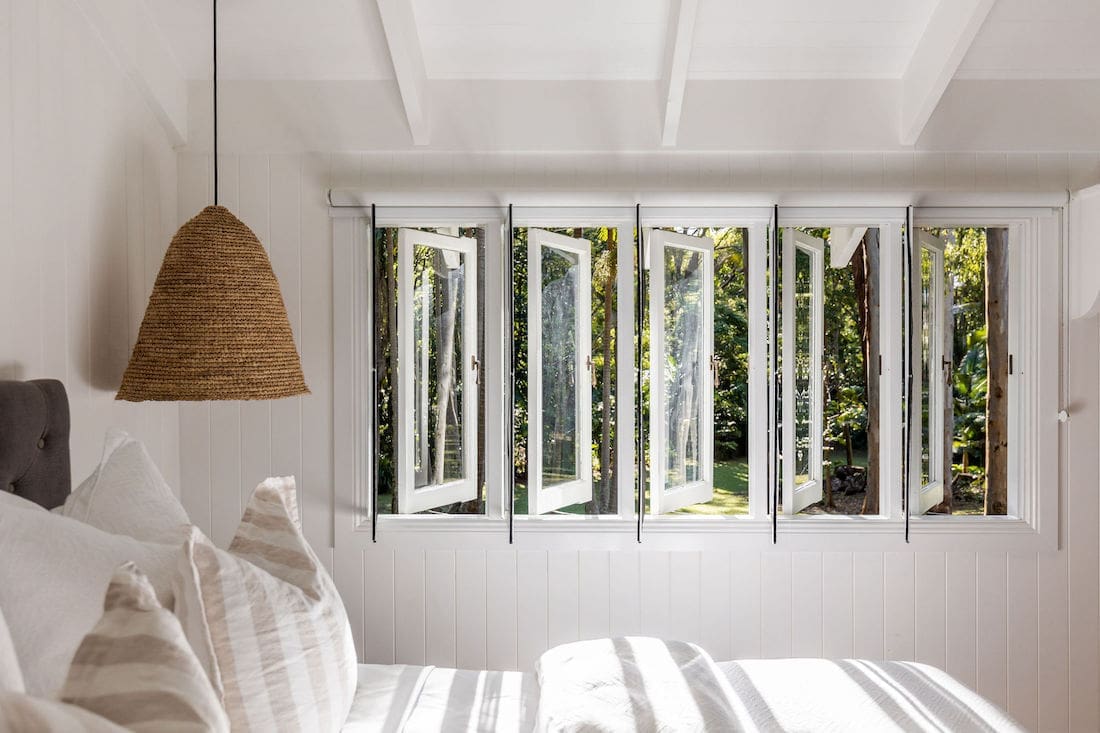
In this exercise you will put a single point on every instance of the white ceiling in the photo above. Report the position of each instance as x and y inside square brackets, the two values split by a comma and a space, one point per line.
[623, 39]
[642, 74]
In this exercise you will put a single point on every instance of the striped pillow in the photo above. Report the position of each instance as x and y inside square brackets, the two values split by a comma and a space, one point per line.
[136, 668]
[21, 713]
[266, 619]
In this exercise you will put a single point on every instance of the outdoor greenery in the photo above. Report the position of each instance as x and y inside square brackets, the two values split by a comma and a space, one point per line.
[850, 318]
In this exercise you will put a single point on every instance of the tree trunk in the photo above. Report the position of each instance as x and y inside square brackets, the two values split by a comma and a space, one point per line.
[867, 293]
[607, 468]
[997, 357]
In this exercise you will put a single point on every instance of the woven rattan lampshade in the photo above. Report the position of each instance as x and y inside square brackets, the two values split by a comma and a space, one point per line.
[216, 326]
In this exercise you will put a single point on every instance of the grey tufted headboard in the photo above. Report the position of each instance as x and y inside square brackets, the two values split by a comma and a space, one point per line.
[34, 441]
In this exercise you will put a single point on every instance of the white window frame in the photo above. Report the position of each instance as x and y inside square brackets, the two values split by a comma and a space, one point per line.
[663, 499]
[1037, 304]
[797, 497]
[924, 496]
[541, 498]
[412, 499]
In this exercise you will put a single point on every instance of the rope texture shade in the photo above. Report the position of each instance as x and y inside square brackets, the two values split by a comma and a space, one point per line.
[216, 326]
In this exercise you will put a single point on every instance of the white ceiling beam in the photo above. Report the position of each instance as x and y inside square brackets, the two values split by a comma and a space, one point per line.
[681, 30]
[951, 29]
[399, 25]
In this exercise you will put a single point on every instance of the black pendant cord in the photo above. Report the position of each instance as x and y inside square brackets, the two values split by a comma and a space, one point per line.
[510, 397]
[375, 383]
[773, 466]
[639, 411]
[215, 44]
[907, 368]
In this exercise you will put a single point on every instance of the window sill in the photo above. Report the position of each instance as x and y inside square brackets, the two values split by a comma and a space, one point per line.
[798, 525]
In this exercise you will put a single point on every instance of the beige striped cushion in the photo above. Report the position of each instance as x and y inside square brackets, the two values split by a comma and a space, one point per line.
[22, 713]
[137, 669]
[268, 621]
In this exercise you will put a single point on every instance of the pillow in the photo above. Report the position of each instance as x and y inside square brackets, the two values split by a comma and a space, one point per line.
[136, 669]
[20, 713]
[8, 499]
[127, 495]
[267, 621]
[11, 676]
[52, 578]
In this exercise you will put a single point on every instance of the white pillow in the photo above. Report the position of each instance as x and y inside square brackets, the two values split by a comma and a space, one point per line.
[8, 499]
[52, 578]
[126, 494]
[11, 676]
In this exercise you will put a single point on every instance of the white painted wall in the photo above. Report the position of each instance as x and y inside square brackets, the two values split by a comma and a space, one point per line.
[1020, 627]
[87, 207]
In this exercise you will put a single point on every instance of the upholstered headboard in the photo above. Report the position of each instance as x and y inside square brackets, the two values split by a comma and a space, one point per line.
[34, 441]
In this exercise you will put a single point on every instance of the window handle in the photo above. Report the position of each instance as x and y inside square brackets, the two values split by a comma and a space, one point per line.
[476, 366]
[715, 365]
[591, 369]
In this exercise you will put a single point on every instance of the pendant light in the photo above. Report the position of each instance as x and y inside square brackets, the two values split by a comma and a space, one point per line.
[216, 326]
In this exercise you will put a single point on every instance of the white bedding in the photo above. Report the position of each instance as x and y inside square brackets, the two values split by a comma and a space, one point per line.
[770, 695]
[414, 699]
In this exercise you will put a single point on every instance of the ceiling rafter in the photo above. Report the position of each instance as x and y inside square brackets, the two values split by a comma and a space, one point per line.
[951, 29]
[399, 25]
[677, 55]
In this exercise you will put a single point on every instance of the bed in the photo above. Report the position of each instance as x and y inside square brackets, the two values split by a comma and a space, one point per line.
[767, 695]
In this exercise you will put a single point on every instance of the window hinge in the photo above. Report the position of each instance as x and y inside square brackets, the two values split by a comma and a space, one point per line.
[1011, 364]
[880, 365]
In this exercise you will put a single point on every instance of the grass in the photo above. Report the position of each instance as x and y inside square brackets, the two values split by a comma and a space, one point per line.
[731, 490]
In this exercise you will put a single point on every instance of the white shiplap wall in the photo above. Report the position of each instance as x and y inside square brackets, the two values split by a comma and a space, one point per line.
[1020, 627]
[87, 207]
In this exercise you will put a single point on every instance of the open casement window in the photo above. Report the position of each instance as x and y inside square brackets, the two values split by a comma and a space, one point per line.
[932, 311]
[438, 368]
[803, 332]
[559, 344]
[681, 385]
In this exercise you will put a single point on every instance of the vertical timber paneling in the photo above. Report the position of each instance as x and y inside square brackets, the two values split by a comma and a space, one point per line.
[88, 200]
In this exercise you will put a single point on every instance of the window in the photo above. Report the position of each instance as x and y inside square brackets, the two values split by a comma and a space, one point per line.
[681, 364]
[961, 461]
[652, 330]
[561, 373]
[704, 355]
[568, 267]
[437, 369]
[427, 353]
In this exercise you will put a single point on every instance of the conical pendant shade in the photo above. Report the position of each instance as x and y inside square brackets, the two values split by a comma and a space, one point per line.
[216, 325]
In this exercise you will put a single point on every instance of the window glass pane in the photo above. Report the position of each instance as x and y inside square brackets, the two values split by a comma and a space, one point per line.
[683, 364]
[729, 378]
[975, 465]
[561, 381]
[440, 359]
[437, 330]
[559, 366]
[849, 378]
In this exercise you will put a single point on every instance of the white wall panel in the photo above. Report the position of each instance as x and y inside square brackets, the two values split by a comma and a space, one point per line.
[594, 594]
[868, 609]
[88, 197]
[836, 605]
